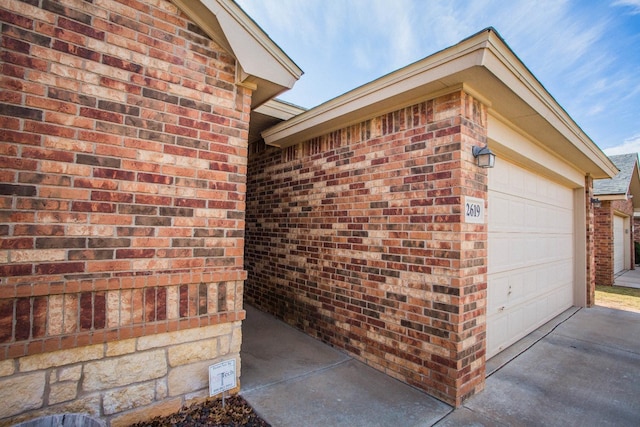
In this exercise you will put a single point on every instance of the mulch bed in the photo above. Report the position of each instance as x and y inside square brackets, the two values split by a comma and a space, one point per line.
[210, 413]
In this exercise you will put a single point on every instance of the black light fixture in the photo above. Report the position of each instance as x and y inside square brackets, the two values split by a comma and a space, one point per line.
[596, 202]
[484, 157]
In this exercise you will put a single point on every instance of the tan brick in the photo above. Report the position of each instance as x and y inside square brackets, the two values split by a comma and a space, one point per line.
[122, 347]
[90, 230]
[193, 352]
[236, 340]
[38, 255]
[179, 337]
[62, 392]
[225, 344]
[113, 309]
[70, 313]
[60, 358]
[124, 370]
[7, 367]
[212, 303]
[189, 378]
[161, 389]
[173, 302]
[21, 393]
[86, 404]
[54, 318]
[71, 373]
[126, 398]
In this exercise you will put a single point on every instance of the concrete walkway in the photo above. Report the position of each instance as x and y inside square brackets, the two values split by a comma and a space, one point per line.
[628, 279]
[581, 369]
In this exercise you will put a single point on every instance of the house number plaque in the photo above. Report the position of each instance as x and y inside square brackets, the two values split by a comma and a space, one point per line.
[473, 210]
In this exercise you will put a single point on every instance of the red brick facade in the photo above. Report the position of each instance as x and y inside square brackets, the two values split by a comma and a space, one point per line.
[356, 238]
[604, 251]
[122, 183]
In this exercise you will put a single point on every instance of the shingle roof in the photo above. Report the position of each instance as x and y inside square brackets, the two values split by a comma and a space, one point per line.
[620, 183]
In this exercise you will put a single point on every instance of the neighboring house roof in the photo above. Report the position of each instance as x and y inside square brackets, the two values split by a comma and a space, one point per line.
[626, 183]
[263, 66]
[485, 67]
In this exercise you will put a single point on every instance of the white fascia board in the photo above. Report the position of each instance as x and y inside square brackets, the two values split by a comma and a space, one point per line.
[606, 197]
[280, 110]
[259, 57]
[482, 58]
[387, 93]
[505, 65]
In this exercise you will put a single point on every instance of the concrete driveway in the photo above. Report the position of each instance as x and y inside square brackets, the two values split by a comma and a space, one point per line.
[581, 369]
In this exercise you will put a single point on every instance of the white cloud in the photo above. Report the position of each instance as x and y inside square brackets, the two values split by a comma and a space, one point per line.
[631, 145]
[595, 110]
[634, 4]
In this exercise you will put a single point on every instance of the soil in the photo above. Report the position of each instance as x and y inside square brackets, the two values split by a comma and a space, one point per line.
[210, 413]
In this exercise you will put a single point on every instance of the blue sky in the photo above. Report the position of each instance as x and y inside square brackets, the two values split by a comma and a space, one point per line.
[585, 52]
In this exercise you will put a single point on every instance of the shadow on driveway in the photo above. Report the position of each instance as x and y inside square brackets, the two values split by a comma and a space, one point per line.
[580, 369]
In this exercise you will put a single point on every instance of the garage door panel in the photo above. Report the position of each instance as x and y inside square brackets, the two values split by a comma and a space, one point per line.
[511, 251]
[500, 294]
[512, 288]
[510, 325]
[618, 244]
[509, 179]
[530, 253]
[508, 215]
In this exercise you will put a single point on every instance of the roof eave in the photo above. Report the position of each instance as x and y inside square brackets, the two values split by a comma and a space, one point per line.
[263, 66]
[482, 62]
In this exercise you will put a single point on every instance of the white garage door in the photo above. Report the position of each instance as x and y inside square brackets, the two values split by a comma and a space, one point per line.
[530, 253]
[618, 244]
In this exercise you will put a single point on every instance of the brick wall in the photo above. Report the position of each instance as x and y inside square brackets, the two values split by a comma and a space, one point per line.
[122, 184]
[604, 251]
[356, 238]
[604, 243]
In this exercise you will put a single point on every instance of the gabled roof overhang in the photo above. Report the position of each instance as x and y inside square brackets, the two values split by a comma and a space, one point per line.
[632, 193]
[626, 185]
[262, 65]
[482, 65]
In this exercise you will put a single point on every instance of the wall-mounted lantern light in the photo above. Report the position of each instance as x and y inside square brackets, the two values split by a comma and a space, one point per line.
[596, 202]
[484, 157]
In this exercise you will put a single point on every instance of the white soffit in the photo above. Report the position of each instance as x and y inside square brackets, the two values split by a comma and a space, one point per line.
[264, 66]
[482, 65]
[280, 109]
[269, 114]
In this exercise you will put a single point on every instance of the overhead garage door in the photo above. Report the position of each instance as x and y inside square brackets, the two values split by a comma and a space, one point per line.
[530, 253]
[618, 244]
